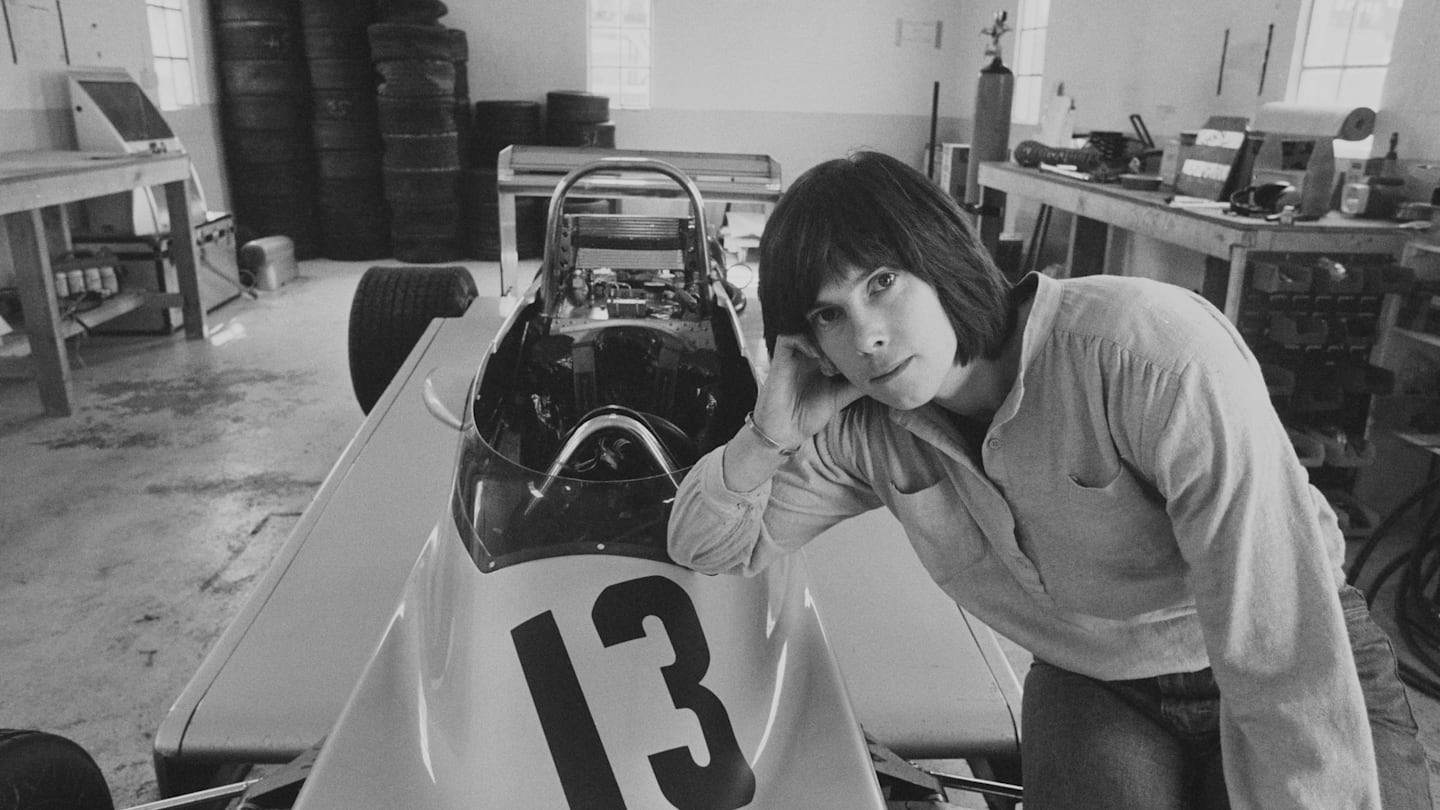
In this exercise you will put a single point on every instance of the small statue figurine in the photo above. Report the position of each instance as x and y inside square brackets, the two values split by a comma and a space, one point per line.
[995, 31]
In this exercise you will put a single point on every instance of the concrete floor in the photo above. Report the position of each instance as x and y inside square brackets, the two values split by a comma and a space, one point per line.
[132, 531]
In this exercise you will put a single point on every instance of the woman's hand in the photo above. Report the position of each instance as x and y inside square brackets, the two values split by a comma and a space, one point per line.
[802, 392]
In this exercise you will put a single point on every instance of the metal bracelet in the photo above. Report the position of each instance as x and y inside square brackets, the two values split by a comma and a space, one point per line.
[769, 442]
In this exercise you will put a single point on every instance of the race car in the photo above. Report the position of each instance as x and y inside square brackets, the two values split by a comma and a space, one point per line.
[542, 649]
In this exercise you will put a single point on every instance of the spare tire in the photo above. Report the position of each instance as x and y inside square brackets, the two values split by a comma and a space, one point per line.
[416, 116]
[266, 112]
[404, 42]
[414, 12]
[43, 771]
[417, 78]
[577, 106]
[277, 10]
[580, 133]
[336, 14]
[391, 309]
[258, 39]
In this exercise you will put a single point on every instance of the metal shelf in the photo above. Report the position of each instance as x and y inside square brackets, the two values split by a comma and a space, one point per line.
[15, 348]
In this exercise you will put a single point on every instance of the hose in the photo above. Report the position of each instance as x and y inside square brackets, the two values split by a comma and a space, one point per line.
[1033, 153]
[1417, 593]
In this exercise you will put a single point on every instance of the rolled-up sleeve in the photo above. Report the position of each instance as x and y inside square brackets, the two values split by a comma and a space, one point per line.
[1262, 548]
[714, 529]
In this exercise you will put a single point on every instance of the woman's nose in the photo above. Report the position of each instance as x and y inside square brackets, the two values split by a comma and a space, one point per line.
[870, 333]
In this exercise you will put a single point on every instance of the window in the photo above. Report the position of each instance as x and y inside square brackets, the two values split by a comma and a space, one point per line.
[619, 52]
[1029, 66]
[170, 43]
[1347, 51]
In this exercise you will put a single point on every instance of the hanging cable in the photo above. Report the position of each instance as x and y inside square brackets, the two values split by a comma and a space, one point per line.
[1416, 607]
[1387, 524]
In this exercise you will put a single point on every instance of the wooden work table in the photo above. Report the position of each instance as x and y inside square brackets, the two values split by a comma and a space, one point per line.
[1098, 208]
[33, 181]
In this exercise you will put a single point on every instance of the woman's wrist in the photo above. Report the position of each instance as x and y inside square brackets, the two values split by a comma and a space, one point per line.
[767, 439]
[750, 460]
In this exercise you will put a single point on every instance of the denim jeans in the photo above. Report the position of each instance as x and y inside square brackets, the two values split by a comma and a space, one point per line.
[1154, 743]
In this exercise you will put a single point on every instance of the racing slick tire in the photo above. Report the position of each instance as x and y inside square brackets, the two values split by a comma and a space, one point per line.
[391, 310]
[43, 771]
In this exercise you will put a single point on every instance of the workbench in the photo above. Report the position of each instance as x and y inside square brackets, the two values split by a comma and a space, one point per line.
[535, 171]
[1099, 209]
[33, 181]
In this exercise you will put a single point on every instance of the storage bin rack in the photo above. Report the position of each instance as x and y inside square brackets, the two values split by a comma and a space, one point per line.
[1408, 421]
[1313, 322]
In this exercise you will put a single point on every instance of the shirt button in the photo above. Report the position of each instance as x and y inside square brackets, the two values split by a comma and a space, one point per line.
[994, 444]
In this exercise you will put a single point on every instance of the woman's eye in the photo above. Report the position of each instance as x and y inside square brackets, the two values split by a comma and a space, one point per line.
[883, 281]
[824, 317]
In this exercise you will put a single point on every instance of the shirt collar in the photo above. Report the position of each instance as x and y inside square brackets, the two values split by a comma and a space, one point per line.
[930, 423]
[1044, 309]
[1044, 294]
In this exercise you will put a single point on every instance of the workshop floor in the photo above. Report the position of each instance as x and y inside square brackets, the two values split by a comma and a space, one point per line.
[132, 531]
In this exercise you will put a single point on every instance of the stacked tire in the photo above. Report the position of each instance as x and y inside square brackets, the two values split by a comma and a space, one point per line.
[578, 118]
[265, 115]
[499, 124]
[350, 200]
[420, 136]
[423, 12]
[464, 116]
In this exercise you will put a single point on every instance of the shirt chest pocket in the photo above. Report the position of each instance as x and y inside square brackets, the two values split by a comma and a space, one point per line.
[1111, 518]
[940, 527]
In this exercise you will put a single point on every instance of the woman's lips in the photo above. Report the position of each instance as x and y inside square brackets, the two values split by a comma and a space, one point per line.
[892, 373]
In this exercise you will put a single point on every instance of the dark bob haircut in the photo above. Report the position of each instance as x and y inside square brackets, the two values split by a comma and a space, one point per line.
[869, 210]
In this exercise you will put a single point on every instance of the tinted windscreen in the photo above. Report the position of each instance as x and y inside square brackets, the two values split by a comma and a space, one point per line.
[582, 432]
[612, 498]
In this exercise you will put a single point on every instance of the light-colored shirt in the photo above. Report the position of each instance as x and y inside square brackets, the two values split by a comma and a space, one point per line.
[1135, 508]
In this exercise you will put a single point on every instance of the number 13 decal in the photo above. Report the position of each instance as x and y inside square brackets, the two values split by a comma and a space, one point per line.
[726, 783]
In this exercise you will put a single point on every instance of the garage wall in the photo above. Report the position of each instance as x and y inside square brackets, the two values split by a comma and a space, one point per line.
[796, 75]
[108, 33]
[34, 98]
[1411, 106]
[802, 80]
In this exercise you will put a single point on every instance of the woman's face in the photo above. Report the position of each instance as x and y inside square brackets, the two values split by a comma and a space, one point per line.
[885, 330]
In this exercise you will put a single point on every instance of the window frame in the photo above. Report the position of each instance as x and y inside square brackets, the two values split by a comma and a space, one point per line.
[173, 56]
[1305, 62]
[1032, 23]
[623, 32]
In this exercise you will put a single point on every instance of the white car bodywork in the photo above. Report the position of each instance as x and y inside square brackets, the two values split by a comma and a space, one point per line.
[661, 688]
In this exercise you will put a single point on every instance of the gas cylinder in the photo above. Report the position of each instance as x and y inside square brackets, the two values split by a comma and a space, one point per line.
[990, 138]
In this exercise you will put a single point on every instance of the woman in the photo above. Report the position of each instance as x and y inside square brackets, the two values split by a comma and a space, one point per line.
[1091, 466]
